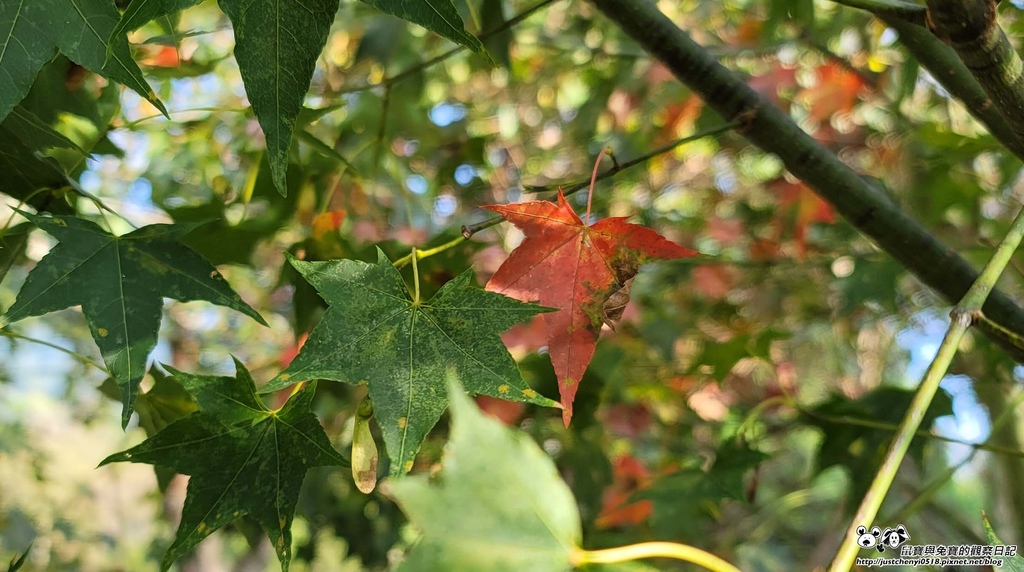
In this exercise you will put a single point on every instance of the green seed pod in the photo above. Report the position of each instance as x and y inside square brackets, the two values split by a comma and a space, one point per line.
[364, 449]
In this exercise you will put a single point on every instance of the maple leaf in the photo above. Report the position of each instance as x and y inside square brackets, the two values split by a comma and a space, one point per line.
[836, 91]
[565, 264]
[120, 282]
[514, 510]
[80, 29]
[243, 459]
[374, 333]
[617, 510]
[806, 209]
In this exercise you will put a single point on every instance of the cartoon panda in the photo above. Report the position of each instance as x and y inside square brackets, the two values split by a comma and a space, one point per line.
[868, 539]
[893, 538]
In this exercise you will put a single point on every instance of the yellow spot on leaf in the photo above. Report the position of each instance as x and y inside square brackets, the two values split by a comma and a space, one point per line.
[569, 381]
[285, 376]
[201, 529]
[503, 388]
[530, 393]
[60, 222]
[408, 466]
[153, 265]
[102, 332]
[402, 422]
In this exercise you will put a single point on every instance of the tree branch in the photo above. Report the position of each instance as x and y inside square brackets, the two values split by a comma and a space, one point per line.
[946, 68]
[864, 206]
[972, 29]
[894, 9]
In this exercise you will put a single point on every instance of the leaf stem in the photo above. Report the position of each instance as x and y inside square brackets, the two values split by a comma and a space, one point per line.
[87, 361]
[963, 315]
[415, 278]
[570, 188]
[421, 254]
[593, 179]
[652, 550]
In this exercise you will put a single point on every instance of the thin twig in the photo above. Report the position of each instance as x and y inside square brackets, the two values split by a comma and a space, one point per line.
[413, 70]
[15, 335]
[569, 188]
[421, 254]
[906, 11]
[884, 426]
[966, 312]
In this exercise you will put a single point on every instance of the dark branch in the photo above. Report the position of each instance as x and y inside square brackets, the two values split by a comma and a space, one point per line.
[971, 28]
[890, 9]
[864, 206]
[570, 188]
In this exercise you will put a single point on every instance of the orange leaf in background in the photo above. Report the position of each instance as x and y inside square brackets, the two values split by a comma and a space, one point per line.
[747, 34]
[508, 412]
[629, 475]
[325, 242]
[565, 264]
[288, 354]
[836, 91]
[807, 208]
[165, 57]
[679, 118]
[284, 358]
[329, 221]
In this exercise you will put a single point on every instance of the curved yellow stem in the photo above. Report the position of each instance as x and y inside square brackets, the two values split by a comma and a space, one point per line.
[652, 550]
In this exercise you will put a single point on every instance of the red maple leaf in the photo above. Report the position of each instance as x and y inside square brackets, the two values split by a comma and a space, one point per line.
[630, 476]
[565, 264]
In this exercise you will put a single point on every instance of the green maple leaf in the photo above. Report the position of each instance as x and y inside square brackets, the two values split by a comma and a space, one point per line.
[277, 45]
[1013, 563]
[139, 12]
[499, 504]
[374, 333]
[31, 32]
[243, 459]
[438, 16]
[120, 282]
[26, 171]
